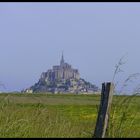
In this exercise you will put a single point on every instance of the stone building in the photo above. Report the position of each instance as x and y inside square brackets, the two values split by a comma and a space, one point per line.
[62, 71]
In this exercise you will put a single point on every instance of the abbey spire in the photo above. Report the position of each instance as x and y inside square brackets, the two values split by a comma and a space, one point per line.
[62, 60]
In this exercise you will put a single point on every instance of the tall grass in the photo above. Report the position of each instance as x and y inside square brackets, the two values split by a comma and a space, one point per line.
[39, 119]
[123, 115]
[31, 120]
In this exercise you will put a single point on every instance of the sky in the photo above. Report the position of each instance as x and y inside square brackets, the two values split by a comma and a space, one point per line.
[93, 37]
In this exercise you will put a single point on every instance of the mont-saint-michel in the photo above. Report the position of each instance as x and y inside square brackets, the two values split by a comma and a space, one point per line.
[62, 78]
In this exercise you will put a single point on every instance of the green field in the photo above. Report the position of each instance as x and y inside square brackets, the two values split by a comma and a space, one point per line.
[64, 115]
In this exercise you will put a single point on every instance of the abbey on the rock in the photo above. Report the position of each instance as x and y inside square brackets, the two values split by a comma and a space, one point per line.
[62, 79]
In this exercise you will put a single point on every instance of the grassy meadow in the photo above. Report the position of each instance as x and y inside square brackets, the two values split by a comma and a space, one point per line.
[65, 115]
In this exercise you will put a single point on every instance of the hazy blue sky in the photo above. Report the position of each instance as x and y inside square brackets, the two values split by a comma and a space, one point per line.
[93, 36]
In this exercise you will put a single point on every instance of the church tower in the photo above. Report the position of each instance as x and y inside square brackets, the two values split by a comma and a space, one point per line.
[62, 60]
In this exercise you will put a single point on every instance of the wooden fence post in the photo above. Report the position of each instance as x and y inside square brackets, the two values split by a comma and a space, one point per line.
[104, 110]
